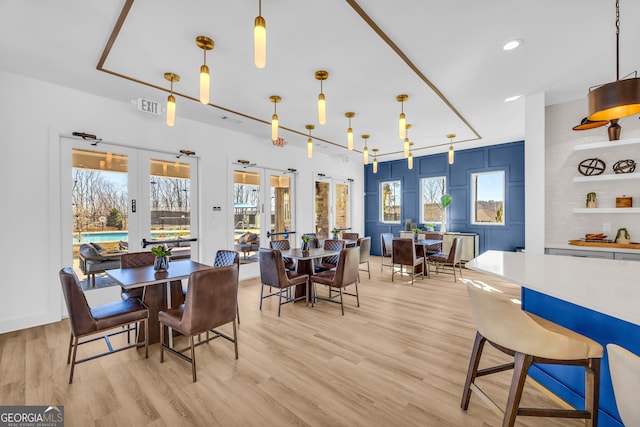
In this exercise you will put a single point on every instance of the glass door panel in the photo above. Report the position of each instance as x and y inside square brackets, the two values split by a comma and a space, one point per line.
[280, 206]
[323, 209]
[342, 206]
[246, 212]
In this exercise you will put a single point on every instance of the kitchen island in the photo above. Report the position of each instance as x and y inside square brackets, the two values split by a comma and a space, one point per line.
[598, 298]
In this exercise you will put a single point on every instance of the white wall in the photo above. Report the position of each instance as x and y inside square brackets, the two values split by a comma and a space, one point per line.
[35, 114]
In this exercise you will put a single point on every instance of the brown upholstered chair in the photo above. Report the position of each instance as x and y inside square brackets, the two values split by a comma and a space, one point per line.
[274, 275]
[330, 262]
[350, 236]
[435, 248]
[345, 274]
[226, 257]
[212, 301]
[404, 253]
[85, 320]
[529, 339]
[452, 259]
[364, 243]
[283, 245]
[386, 248]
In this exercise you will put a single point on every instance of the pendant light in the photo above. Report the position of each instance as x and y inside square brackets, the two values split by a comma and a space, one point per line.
[349, 115]
[375, 160]
[204, 43]
[310, 141]
[260, 39]
[322, 105]
[616, 99]
[451, 136]
[406, 141]
[410, 157]
[365, 151]
[402, 121]
[171, 100]
[274, 119]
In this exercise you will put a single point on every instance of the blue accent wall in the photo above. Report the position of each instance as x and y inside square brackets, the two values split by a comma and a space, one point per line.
[505, 157]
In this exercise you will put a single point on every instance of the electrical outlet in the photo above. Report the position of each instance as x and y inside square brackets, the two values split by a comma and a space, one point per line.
[217, 209]
[606, 227]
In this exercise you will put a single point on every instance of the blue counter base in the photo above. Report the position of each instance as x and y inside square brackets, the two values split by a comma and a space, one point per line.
[567, 381]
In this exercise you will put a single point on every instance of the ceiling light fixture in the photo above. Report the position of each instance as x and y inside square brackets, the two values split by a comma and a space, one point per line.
[616, 99]
[349, 115]
[171, 100]
[204, 43]
[375, 160]
[274, 119]
[260, 39]
[365, 151]
[410, 157]
[406, 142]
[310, 141]
[589, 124]
[402, 121]
[322, 104]
[512, 44]
[451, 136]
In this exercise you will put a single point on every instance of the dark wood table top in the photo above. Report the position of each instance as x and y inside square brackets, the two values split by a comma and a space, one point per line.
[299, 254]
[130, 278]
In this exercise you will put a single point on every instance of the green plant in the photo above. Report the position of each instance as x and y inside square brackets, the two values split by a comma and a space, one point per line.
[429, 225]
[416, 230]
[306, 238]
[445, 200]
[334, 231]
[161, 251]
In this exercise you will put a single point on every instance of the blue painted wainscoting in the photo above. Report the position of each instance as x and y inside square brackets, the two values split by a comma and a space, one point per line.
[504, 157]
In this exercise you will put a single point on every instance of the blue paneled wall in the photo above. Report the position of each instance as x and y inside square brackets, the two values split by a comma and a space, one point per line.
[505, 157]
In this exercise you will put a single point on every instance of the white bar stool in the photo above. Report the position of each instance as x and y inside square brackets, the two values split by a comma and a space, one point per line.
[625, 376]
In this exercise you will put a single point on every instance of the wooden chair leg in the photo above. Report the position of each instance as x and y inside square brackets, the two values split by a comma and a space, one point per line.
[521, 367]
[69, 352]
[474, 362]
[238, 312]
[73, 360]
[592, 391]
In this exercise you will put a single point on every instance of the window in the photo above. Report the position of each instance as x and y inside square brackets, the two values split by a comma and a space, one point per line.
[432, 190]
[390, 201]
[487, 205]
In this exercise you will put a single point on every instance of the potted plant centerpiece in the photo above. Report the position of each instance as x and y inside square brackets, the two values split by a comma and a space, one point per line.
[445, 200]
[162, 254]
[305, 242]
[415, 233]
[335, 233]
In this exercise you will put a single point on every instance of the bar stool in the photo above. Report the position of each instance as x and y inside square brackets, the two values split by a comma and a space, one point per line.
[625, 376]
[530, 339]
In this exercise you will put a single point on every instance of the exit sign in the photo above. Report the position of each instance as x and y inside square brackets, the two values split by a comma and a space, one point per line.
[149, 106]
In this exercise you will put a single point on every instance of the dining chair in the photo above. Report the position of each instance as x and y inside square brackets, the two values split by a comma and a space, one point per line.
[330, 262]
[404, 254]
[85, 321]
[350, 236]
[436, 247]
[364, 243]
[452, 259]
[345, 274]
[386, 248]
[283, 245]
[212, 301]
[625, 376]
[528, 339]
[274, 275]
[226, 257]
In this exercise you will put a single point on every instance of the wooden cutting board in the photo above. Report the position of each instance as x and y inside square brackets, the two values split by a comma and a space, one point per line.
[631, 245]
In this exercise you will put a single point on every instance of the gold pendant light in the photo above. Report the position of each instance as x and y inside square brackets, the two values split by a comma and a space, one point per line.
[410, 157]
[402, 121]
[451, 136]
[365, 151]
[406, 141]
[204, 43]
[171, 100]
[349, 115]
[274, 119]
[260, 39]
[322, 104]
[375, 160]
[310, 141]
[616, 99]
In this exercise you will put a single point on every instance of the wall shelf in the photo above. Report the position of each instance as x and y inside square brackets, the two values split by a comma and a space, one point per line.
[606, 144]
[607, 177]
[606, 210]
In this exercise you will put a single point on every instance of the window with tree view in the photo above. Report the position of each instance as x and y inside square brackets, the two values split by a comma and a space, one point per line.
[390, 199]
[487, 206]
[432, 190]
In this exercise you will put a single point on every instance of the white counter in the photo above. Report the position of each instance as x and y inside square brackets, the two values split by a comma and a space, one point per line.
[591, 248]
[608, 286]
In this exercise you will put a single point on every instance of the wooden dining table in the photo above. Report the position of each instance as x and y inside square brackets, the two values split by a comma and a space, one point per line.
[425, 243]
[155, 296]
[304, 262]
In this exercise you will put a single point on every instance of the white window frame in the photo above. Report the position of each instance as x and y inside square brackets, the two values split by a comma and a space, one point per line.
[422, 201]
[381, 201]
[473, 198]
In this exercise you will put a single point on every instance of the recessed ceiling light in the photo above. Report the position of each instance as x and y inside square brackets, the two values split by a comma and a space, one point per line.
[512, 98]
[510, 45]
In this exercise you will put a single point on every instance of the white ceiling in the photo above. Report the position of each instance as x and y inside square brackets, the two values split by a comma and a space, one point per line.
[569, 46]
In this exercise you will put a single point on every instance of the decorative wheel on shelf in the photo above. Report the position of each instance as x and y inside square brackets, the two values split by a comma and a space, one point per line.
[624, 166]
[590, 167]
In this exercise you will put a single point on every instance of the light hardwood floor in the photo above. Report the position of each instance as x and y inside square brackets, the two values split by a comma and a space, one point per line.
[398, 360]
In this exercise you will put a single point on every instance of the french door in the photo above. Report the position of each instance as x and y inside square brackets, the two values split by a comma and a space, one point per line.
[332, 207]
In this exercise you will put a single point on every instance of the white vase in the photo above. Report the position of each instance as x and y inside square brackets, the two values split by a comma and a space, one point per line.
[443, 227]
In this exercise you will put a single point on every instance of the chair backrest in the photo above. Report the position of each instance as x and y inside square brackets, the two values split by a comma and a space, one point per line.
[625, 376]
[88, 251]
[364, 243]
[226, 257]
[332, 245]
[386, 244]
[347, 268]
[212, 299]
[272, 270]
[433, 235]
[404, 251]
[455, 253]
[350, 236]
[80, 318]
[137, 259]
[281, 245]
